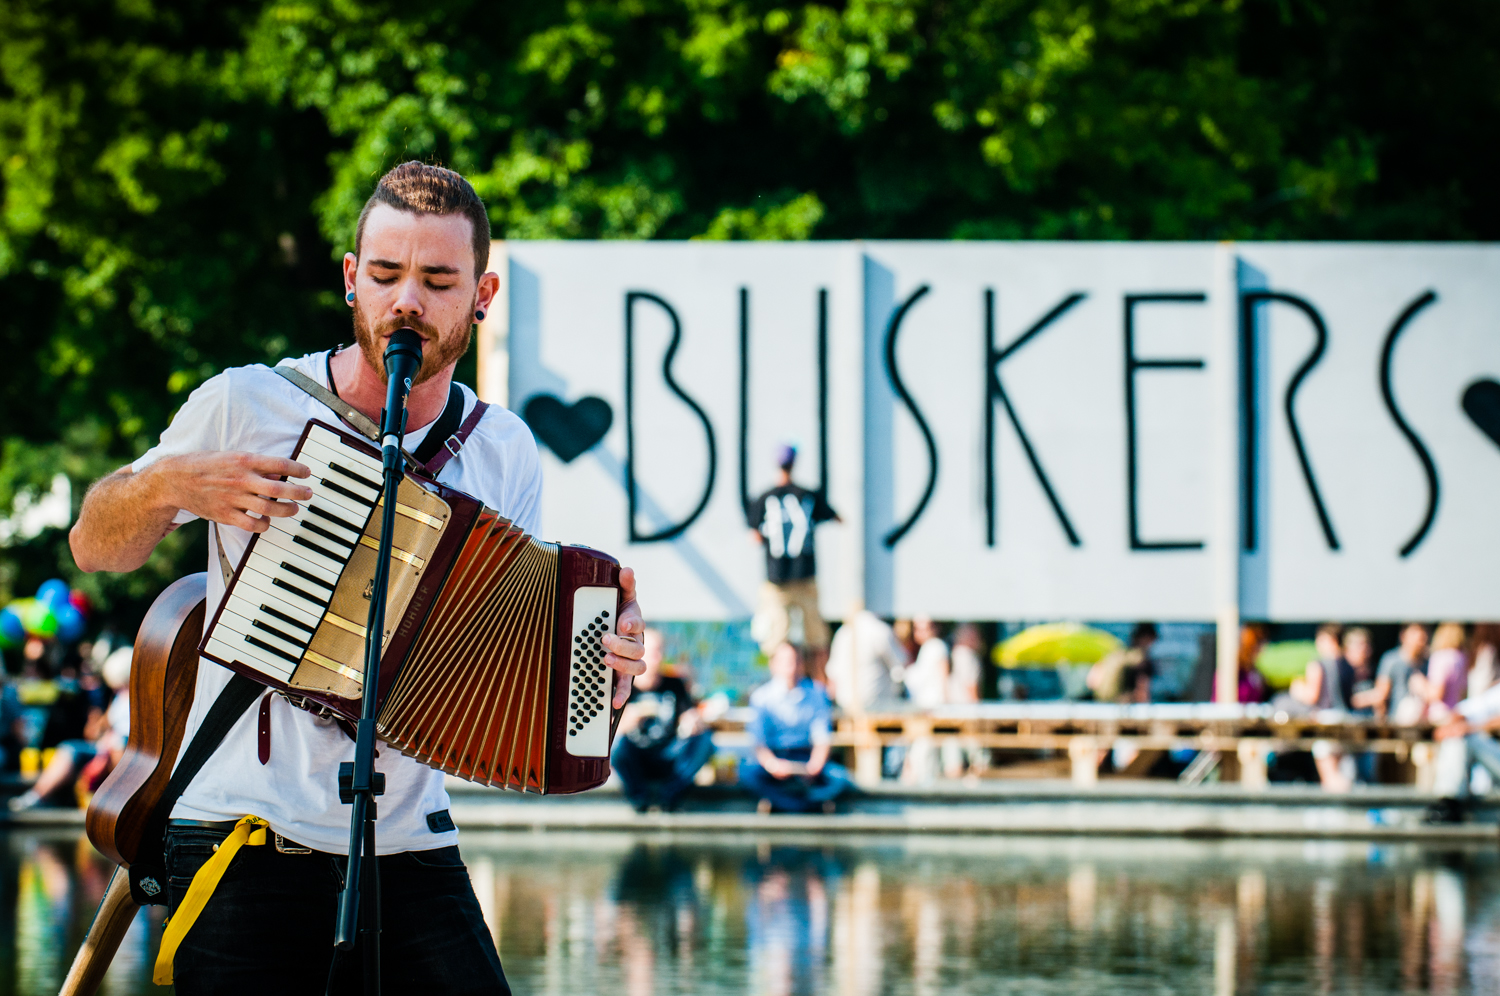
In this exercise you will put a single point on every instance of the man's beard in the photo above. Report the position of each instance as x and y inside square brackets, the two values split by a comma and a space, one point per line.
[438, 350]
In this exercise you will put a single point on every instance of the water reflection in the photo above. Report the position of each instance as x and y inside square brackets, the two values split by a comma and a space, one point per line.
[579, 913]
[50, 886]
[945, 915]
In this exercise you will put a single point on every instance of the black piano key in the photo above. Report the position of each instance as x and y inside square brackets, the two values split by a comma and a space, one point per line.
[278, 582]
[308, 575]
[328, 534]
[262, 624]
[336, 520]
[335, 486]
[353, 476]
[262, 644]
[289, 620]
[321, 551]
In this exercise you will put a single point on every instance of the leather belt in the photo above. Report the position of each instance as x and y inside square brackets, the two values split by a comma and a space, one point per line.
[283, 845]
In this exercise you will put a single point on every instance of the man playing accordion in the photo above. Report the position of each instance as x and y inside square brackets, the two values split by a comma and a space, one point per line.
[420, 257]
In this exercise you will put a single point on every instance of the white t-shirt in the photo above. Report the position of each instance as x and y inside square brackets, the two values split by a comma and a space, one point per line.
[866, 663]
[118, 713]
[927, 678]
[1481, 708]
[963, 674]
[253, 410]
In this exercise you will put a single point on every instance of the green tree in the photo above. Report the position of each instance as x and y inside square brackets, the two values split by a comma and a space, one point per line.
[180, 178]
[154, 230]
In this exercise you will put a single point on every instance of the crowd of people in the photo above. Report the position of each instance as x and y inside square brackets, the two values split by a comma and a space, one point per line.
[64, 714]
[1431, 676]
[663, 739]
[1423, 679]
[1447, 676]
[64, 719]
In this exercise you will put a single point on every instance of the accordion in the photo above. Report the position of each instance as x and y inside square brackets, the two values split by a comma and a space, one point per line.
[492, 666]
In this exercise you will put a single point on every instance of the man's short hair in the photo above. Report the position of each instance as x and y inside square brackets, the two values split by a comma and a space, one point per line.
[418, 188]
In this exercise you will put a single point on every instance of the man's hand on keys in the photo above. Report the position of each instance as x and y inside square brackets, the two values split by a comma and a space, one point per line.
[232, 489]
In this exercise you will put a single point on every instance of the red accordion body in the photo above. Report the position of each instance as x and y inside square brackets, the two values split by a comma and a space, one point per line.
[492, 667]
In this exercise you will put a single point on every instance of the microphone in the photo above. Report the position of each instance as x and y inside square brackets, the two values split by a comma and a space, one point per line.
[403, 358]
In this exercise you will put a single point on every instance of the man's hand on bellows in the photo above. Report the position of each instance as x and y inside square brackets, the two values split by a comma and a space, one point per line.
[626, 645]
[234, 489]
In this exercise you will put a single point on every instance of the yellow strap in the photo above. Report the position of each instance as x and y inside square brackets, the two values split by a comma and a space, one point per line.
[250, 830]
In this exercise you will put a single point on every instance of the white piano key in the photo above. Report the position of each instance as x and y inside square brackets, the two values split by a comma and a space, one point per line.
[360, 475]
[256, 590]
[318, 529]
[333, 518]
[334, 442]
[269, 573]
[281, 545]
[235, 623]
[353, 510]
[258, 606]
[232, 647]
[340, 468]
[319, 432]
[369, 469]
[295, 553]
[284, 566]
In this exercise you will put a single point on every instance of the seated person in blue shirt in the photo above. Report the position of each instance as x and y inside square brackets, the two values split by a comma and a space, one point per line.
[662, 740]
[792, 732]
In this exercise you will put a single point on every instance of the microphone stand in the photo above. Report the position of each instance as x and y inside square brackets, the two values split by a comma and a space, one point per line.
[359, 782]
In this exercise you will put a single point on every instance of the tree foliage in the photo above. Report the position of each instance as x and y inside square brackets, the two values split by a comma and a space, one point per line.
[179, 178]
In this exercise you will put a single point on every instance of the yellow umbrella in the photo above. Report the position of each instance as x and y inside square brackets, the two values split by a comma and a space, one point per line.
[1056, 643]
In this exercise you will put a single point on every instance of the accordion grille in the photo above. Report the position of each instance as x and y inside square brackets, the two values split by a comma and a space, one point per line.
[473, 697]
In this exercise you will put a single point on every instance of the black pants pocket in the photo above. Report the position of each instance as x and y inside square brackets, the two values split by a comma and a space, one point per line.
[187, 850]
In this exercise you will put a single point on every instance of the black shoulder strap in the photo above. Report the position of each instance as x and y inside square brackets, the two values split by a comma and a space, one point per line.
[148, 871]
[445, 426]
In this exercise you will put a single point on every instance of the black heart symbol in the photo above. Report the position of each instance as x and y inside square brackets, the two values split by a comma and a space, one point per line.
[1482, 405]
[568, 430]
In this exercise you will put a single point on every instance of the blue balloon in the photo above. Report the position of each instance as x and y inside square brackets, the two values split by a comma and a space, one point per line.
[69, 622]
[54, 592]
[12, 630]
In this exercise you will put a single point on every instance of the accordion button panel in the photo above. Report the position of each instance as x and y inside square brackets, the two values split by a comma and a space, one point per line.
[590, 682]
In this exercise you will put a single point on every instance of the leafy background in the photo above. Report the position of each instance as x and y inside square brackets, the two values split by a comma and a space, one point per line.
[180, 178]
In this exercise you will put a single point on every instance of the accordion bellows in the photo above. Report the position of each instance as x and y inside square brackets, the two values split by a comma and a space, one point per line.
[492, 667]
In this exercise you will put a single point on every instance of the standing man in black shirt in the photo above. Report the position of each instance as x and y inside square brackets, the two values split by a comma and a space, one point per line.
[783, 519]
[662, 740]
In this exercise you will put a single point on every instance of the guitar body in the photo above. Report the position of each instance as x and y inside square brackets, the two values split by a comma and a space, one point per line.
[163, 675]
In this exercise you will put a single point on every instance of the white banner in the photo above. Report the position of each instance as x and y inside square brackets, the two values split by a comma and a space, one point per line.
[1025, 430]
[659, 379]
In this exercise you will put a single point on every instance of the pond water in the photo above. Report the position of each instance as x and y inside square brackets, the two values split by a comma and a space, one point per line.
[618, 913]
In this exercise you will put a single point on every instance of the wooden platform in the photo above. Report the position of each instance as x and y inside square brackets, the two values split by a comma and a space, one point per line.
[1241, 737]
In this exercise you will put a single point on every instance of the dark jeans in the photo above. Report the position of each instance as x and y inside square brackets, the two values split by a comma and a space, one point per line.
[269, 926]
[660, 775]
[799, 793]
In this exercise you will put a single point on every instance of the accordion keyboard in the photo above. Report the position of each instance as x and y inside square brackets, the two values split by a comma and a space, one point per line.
[298, 610]
[289, 578]
[590, 683]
